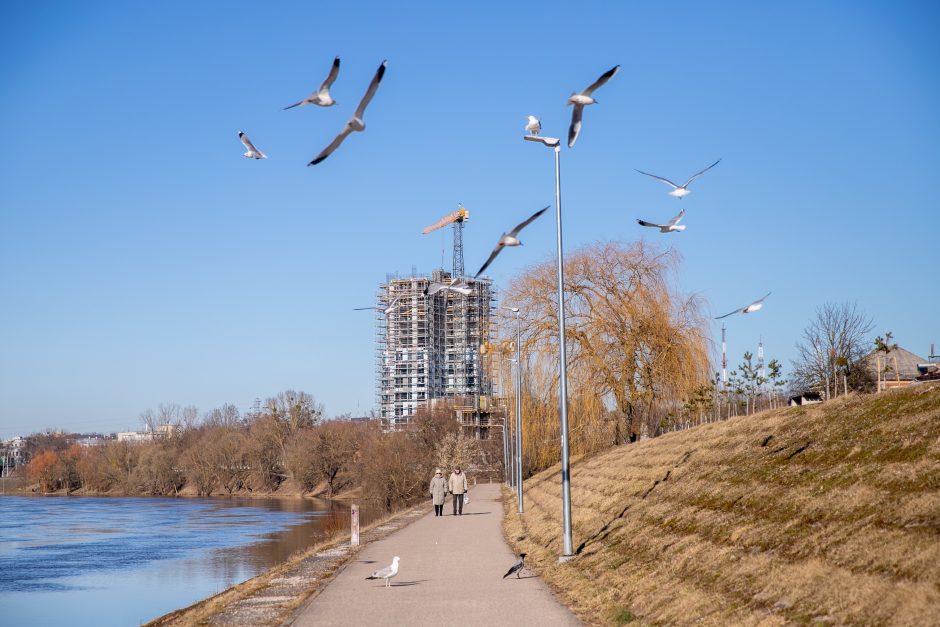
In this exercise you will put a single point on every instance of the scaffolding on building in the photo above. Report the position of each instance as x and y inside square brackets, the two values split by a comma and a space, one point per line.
[428, 350]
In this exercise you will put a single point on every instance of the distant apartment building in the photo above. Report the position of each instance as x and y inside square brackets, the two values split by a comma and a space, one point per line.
[428, 347]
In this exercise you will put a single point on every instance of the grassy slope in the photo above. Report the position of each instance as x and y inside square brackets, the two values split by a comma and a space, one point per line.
[814, 515]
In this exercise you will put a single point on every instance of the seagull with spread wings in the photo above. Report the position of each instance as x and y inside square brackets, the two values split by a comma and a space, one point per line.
[456, 285]
[680, 190]
[355, 123]
[386, 310]
[252, 152]
[321, 97]
[669, 227]
[579, 101]
[386, 573]
[510, 239]
[755, 306]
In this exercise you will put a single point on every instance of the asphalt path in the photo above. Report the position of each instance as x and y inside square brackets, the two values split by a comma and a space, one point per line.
[450, 573]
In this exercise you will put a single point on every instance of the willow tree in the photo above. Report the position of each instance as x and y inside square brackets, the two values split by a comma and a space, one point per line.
[634, 342]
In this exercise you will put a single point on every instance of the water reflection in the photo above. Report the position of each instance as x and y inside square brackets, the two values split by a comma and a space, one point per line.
[62, 560]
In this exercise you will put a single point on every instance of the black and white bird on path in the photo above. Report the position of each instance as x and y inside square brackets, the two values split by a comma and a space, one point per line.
[533, 126]
[680, 190]
[355, 123]
[252, 152]
[755, 306]
[386, 310]
[386, 573]
[580, 100]
[509, 239]
[670, 227]
[517, 567]
[321, 97]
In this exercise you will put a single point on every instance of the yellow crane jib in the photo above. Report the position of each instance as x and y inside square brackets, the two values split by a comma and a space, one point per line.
[460, 215]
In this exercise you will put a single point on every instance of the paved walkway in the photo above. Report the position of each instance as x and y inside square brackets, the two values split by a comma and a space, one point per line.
[450, 574]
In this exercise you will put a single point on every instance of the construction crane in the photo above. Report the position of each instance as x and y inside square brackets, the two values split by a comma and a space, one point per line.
[457, 218]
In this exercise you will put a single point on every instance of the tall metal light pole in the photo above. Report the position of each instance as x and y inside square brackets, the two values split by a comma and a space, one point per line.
[513, 439]
[555, 143]
[516, 311]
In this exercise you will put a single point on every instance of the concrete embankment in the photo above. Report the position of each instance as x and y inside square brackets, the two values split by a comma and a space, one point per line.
[272, 597]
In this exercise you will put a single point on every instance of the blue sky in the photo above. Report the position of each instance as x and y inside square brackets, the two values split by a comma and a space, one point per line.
[144, 261]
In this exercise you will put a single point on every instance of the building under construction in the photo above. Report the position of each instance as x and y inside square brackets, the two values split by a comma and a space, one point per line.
[431, 349]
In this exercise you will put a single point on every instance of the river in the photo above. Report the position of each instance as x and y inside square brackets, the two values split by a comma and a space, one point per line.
[123, 561]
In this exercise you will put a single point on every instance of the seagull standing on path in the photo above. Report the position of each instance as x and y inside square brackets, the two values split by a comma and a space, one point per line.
[509, 239]
[321, 97]
[755, 306]
[252, 153]
[386, 573]
[581, 100]
[533, 126]
[386, 310]
[517, 567]
[680, 190]
[669, 227]
[354, 123]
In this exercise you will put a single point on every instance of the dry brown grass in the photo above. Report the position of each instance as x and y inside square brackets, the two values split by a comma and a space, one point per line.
[825, 514]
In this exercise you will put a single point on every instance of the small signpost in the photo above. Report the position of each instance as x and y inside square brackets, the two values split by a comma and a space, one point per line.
[354, 525]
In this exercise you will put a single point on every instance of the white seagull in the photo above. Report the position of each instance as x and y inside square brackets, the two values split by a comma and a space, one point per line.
[584, 98]
[355, 123]
[386, 310]
[456, 285]
[680, 190]
[321, 97]
[669, 227]
[252, 153]
[509, 239]
[533, 126]
[517, 567]
[755, 306]
[386, 573]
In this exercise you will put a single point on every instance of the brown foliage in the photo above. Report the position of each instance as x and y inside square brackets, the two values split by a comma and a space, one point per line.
[636, 347]
[44, 468]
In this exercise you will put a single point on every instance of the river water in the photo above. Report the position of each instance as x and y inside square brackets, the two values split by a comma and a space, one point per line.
[124, 561]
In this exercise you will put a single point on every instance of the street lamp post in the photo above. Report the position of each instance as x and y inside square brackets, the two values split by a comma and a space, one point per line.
[555, 144]
[516, 311]
[513, 439]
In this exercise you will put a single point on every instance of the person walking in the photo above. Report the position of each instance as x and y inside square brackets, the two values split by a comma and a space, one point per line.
[438, 492]
[458, 487]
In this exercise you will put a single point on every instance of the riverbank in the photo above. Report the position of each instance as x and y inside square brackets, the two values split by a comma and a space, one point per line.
[273, 597]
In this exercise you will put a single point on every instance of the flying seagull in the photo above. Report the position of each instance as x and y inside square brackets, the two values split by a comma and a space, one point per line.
[252, 153]
[355, 123]
[533, 126]
[517, 567]
[584, 98]
[756, 305]
[509, 239]
[386, 573]
[386, 310]
[669, 227]
[457, 285]
[680, 190]
[321, 97]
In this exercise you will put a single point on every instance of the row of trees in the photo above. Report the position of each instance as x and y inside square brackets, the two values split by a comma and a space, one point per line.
[286, 445]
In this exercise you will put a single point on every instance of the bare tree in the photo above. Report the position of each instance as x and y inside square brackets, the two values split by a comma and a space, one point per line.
[835, 342]
[225, 416]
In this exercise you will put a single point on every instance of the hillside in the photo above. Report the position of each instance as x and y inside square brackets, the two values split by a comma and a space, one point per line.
[826, 514]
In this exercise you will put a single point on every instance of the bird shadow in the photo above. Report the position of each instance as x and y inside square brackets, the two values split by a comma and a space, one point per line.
[398, 584]
[366, 561]
[523, 577]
